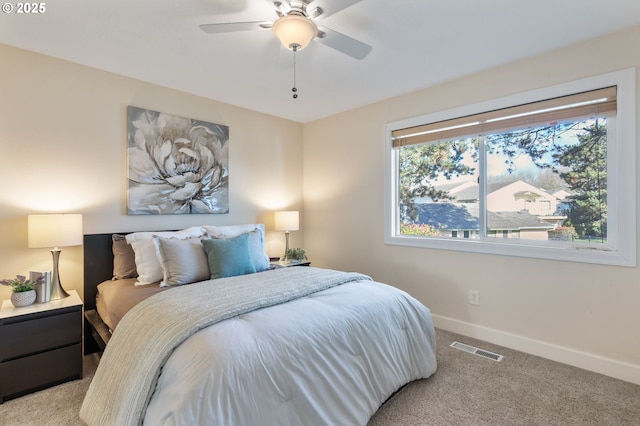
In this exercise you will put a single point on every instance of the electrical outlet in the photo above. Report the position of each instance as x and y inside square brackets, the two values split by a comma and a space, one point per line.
[474, 297]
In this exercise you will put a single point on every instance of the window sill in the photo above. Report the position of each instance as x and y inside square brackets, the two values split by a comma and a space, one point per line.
[584, 254]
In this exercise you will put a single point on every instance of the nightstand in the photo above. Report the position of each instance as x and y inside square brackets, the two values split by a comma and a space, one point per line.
[40, 345]
[283, 264]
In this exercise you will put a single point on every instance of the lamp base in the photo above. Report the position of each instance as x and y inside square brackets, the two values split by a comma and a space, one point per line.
[286, 247]
[57, 292]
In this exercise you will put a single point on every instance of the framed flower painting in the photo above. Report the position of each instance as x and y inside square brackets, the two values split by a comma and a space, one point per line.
[177, 165]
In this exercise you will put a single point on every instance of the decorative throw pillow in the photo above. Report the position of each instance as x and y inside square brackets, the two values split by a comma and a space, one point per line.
[124, 259]
[182, 261]
[256, 240]
[229, 257]
[256, 250]
[147, 263]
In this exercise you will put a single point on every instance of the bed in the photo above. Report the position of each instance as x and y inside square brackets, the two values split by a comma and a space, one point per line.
[285, 346]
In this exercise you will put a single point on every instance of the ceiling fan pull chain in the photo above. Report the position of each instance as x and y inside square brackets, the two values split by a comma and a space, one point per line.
[294, 89]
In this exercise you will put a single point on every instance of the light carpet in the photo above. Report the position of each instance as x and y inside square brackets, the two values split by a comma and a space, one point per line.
[466, 390]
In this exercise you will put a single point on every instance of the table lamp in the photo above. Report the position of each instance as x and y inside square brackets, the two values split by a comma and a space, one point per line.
[55, 230]
[287, 221]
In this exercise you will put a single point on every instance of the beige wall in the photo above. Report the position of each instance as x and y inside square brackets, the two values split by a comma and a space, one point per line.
[587, 315]
[63, 149]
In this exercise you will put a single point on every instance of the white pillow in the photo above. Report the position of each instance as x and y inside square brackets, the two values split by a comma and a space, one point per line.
[147, 263]
[230, 231]
[256, 240]
[182, 261]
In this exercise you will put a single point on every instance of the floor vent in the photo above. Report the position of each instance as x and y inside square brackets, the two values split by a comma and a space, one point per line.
[477, 351]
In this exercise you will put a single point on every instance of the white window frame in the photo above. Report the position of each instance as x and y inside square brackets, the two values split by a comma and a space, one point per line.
[621, 179]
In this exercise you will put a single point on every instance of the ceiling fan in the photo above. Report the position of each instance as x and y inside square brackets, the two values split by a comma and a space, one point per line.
[296, 27]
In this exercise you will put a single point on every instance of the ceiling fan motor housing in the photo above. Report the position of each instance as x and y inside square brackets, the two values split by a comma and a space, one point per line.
[295, 31]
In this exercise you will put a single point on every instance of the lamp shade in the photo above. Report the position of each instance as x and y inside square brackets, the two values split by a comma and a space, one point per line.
[294, 30]
[54, 230]
[287, 221]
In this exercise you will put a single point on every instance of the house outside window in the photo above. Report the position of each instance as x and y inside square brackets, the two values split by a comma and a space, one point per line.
[547, 174]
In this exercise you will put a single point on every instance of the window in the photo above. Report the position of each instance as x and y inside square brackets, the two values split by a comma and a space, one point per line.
[546, 174]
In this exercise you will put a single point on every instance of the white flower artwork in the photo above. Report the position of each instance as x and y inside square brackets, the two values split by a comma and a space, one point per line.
[177, 165]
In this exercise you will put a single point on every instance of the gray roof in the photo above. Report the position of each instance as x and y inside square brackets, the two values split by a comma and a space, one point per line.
[465, 216]
[499, 221]
[471, 193]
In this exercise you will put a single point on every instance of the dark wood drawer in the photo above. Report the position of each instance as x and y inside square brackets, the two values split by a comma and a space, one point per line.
[36, 372]
[32, 334]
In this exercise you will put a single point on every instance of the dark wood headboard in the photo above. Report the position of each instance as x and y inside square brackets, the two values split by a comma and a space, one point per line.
[98, 267]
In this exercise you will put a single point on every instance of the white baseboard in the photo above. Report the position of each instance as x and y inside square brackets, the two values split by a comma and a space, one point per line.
[599, 364]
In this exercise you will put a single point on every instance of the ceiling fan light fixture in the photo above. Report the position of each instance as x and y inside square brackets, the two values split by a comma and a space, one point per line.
[295, 30]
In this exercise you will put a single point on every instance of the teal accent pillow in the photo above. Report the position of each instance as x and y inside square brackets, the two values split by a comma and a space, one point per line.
[256, 244]
[229, 257]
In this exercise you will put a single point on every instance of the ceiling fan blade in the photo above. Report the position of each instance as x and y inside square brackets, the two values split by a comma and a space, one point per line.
[335, 7]
[234, 26]
[343, 43]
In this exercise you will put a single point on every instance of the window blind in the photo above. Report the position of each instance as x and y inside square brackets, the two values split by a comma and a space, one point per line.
[594, 103]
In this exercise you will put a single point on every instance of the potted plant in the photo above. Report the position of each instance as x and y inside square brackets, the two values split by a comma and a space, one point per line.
[24, 293]
[296, 254]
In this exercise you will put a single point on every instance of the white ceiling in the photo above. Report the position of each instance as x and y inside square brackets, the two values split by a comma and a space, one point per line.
[416, 44]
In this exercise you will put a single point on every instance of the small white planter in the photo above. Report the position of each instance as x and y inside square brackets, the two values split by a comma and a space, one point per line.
[24, 298]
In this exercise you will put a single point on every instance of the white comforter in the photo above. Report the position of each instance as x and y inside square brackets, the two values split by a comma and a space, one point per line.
[295, 346]
[330, 358]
